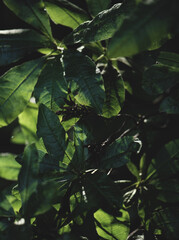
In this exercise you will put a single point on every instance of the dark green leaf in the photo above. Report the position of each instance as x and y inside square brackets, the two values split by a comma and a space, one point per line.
[167, 219]
[85, 80]
[100, 191]
[147, 27]
[102, 27]
[163, 170]
[9, 168]
[169, 59]
[16, 88]
[115, 92]
[97, 6]
[159, 78]
[118, 153]
[33, 12]
[17, 43]
[170, 104]
[109, 227]
[28, 178]
[52, 133]
[65, 13]
[51, 88]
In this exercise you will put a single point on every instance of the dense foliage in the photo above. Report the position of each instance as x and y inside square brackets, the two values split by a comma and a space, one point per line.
[96, 108]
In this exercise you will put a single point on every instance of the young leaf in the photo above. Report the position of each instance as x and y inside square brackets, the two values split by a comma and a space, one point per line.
[32, 12]
[9, 168]
[146, 28]
[85, 81]
[102, 27]
[28, 178]
[109, 227]
[17, 43]
[16, 88]
[97, 6]
[51, 88]
[52, 133]
[115, 92]
[65, 13]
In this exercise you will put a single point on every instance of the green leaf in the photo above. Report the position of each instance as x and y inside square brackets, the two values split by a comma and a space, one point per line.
[65, 13]
[101, 191]
[169, 59]
[9, 168]
[110, 227]
[118, 153]
[16, 88]
[32, 12]
[97, 6]
[17, 43]
[28, 178]
[85, 80]
[51, 88]
[163, 170]
[167, 219]
[102, 27]
[80, 137]
[28, 124]
[6, 209]
[159, 78]
[133, 169]
[170, 104]
[115, 92]
[52, 133]
[147, 27]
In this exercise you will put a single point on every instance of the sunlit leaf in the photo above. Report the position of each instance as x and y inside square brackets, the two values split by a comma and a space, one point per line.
[9, 168]
[65, 13]
[149, 25]
[16, 88]
[51, 88]
[32, 12]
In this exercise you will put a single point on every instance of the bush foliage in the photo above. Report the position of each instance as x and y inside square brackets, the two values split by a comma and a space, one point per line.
[96, 108]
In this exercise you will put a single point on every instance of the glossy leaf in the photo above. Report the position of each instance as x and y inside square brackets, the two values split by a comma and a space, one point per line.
[51, 88]
[84, 79]
[32, 12]
[118, 153]
[9, 168]
[102, 27]
[17, 43]
[65, 13]
[97, 6]
[146, 28]
[110, 227]
[28, 178]
[16, 88]
[160, 78]
[52, 133]
[115, 92]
